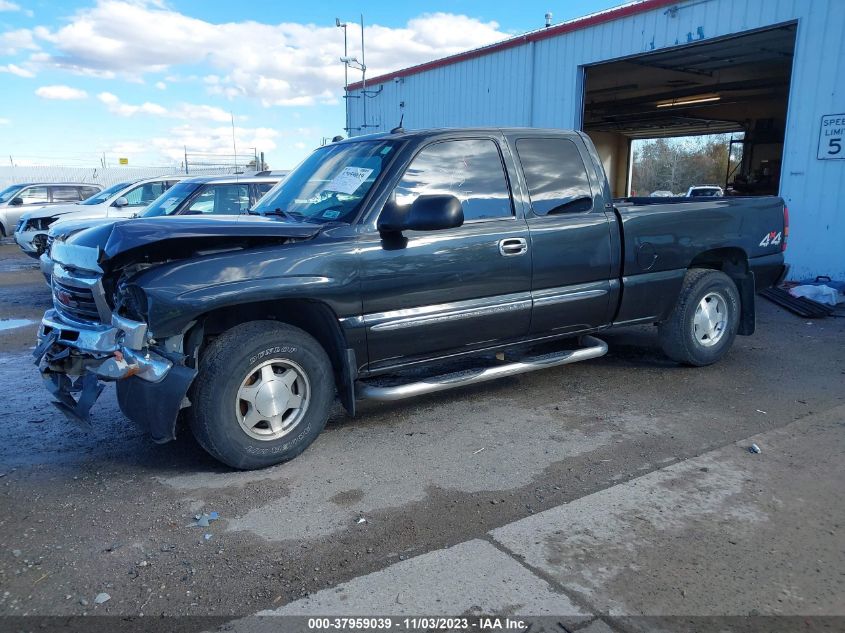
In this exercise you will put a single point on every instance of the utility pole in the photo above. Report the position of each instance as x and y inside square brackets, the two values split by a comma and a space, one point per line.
[363, 77]
[343, 25]
[186, 159]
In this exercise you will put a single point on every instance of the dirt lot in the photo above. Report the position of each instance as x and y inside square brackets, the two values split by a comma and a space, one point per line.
[108, 511]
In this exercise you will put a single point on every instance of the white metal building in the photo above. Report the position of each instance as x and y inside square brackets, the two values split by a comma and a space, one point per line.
[774, 69]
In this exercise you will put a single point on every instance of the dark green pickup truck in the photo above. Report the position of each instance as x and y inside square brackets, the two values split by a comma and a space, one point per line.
[388, 266]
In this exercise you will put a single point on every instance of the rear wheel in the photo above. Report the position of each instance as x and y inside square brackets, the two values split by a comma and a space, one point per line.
[704, 322]
[262, 394]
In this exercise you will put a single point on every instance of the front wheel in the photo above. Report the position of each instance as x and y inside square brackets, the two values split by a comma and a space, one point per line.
[262, 394]
[703, 324]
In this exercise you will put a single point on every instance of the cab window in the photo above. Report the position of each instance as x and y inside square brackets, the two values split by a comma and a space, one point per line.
[469, 169]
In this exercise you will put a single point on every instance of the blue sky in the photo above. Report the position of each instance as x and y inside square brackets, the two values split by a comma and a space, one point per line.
[143, 78]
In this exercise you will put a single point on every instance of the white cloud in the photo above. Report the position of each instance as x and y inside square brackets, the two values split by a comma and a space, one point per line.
[5, 5]
[63, 93]
[278, 64]
[217, 140]
[181, 111]
[161, 85]
[116, 106]
[5, 121]
[16, 70]
[11, 42]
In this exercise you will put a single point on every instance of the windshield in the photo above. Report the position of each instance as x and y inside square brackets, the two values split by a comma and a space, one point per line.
[9, 192]
[330, 184]
[167, 202]
[105, 194]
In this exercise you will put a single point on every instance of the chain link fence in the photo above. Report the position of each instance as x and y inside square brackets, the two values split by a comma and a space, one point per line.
[105, 176]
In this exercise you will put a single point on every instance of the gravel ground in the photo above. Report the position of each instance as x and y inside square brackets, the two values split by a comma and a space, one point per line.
[107, 511]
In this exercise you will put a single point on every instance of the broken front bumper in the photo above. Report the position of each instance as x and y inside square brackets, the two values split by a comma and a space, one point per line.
[75, 359]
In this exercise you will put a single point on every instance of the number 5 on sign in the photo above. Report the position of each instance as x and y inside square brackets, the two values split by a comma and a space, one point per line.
[832, 137]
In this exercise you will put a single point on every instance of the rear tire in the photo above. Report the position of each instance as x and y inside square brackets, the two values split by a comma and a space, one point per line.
[703, 324]
[262, 394]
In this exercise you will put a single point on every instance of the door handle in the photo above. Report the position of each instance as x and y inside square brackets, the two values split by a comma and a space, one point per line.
[513, 246]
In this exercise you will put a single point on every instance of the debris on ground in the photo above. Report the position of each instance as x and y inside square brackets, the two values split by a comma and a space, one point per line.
[818, 293]
[203, 520]
[361, 520]
[479, 450]
[806, 308]
[206, 536]
[754, 449]
[101, 598]
[761, 411]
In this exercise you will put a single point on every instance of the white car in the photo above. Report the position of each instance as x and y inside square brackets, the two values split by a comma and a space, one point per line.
[201, 195]
[118, 201]
[705, 191]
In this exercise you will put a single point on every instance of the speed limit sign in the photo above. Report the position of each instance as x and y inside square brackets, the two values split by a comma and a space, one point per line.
[832, 137]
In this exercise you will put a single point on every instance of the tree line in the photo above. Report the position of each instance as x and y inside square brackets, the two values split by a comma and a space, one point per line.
[677, 164]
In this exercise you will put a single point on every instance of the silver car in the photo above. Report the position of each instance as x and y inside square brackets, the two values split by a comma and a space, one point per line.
[15, 200]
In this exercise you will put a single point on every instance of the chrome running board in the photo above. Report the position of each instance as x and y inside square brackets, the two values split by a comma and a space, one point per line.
[366, 391]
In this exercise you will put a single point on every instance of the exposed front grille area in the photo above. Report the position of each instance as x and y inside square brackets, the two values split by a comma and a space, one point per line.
[75, 302]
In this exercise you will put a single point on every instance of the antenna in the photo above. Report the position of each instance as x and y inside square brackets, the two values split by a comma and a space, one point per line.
[235, 149]
[399, 127]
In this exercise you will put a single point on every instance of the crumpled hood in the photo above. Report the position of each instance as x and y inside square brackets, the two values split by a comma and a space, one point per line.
[64, 227]
[106, 241]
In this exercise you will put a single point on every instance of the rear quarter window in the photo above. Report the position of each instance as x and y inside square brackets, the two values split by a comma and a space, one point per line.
[556, 176]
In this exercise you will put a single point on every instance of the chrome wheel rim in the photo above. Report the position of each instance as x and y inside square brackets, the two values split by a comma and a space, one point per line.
[710, 320]
[272, 399]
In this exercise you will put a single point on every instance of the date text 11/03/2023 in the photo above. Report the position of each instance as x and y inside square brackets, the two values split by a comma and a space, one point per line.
[480, 623]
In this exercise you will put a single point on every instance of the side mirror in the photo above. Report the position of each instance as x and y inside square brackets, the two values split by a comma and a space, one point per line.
[16, 202]
[426, 213]
[120, 202]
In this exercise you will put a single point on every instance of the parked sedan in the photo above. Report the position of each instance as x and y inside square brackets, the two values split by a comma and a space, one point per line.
[15, 200]
[202, 195]
[120, 200]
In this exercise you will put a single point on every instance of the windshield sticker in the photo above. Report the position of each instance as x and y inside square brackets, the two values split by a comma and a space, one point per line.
[349, 179]
[331, 215]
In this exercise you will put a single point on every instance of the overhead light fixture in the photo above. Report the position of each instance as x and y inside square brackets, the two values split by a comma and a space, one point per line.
[683, 101]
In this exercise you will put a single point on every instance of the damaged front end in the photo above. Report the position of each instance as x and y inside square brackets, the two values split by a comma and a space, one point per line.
[83, 343]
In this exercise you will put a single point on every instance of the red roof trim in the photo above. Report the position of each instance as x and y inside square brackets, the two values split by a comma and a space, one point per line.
[534, 36]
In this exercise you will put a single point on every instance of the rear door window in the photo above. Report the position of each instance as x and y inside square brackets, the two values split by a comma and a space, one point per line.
[87, 192]
[555, 174]
[469, 169]
[65, 194]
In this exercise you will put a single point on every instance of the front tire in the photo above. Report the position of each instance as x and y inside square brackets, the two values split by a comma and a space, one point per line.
[262, 394]
[703, 325]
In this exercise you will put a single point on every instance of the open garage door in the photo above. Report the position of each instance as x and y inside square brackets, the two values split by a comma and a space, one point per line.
[730, 85]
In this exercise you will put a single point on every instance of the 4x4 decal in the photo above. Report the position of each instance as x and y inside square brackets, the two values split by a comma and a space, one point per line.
[772, 239]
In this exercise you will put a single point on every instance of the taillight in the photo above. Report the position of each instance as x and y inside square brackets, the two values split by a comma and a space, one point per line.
[785, 228]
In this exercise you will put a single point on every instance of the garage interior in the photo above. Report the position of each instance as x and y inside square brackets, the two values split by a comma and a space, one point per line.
[731, 85]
